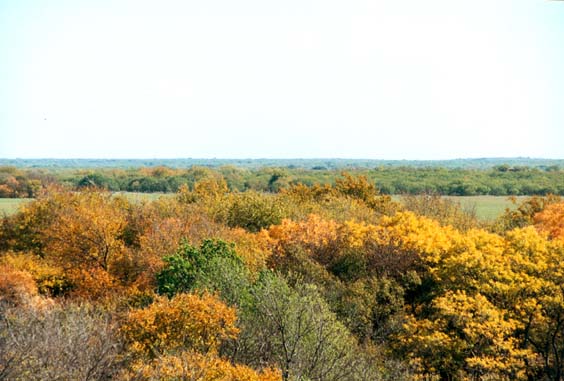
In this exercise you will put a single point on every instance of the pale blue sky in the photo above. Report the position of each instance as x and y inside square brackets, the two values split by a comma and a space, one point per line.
[391, 79]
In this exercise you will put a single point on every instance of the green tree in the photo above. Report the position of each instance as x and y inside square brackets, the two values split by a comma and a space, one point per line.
[191, 267]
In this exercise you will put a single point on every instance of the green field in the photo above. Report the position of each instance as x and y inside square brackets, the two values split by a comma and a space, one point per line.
[10, 205]
[487, 207]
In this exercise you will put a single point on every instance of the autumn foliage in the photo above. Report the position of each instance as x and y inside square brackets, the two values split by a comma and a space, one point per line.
[551, 220]
[185, 321]
[322, 283]
[193, 366]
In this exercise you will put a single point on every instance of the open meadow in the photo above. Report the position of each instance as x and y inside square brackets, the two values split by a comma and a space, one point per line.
[486, 207]
[10, 206]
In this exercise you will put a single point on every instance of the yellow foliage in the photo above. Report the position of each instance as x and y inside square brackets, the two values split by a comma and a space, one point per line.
[355, 234]
[352, 198]
[190, 321]
[469, 329]
[192, 366]
[211, 187]
[420, 234]
[300, 193]
[50, 279]
[476, 262]
[85, 229]
[251, 248]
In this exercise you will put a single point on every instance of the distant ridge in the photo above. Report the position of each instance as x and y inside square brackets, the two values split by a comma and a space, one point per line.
[320, 163]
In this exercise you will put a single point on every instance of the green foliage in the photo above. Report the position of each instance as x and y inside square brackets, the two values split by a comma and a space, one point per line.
[190, 266]
[254, 211]
[455, 178]
[98, 180]
[295, 329]
[372, 308]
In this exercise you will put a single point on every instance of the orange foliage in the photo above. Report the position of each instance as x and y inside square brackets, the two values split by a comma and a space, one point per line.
[551, 220]
[251, 248]
[16, 287]
[313, 233]
[525, 212]
[317, 236]
[92, 283]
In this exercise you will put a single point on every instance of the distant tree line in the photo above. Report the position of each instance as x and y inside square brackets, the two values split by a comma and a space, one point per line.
[500, 180]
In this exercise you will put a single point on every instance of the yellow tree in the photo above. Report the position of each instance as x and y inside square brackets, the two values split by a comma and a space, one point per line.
[179, 338]
[86, 229]
[187, 321]
[466, 337]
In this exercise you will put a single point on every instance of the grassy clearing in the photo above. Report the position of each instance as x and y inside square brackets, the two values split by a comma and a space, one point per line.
[10, 205]
[487, 207]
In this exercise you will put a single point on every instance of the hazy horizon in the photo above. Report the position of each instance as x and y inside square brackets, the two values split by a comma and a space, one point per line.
[376, 80]
[286, 158]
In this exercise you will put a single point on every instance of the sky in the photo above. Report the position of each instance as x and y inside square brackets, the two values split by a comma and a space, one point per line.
[375, 79]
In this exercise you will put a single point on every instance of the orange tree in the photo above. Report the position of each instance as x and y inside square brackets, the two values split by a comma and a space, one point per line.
[551, 220]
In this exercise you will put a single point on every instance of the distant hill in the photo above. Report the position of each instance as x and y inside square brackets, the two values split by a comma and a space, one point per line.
[321, 164]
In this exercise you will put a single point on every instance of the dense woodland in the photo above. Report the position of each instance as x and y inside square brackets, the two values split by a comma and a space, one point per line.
[311, 282]
[499, 179]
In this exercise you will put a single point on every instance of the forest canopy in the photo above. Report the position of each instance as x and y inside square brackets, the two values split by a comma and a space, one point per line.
[321, 282]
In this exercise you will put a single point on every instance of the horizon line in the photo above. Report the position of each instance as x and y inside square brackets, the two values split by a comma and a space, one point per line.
[281, 159]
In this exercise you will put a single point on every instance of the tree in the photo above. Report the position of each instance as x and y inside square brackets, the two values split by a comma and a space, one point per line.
[525, 212]
[254, 211]
[85, 229]
[187, 321]
[189, 267]
[551, 220]
[83, 233]
[466, 334]
[296, 331]
[72, 342]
